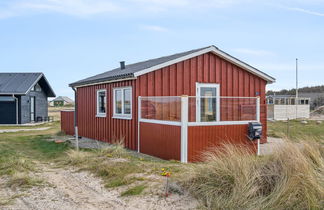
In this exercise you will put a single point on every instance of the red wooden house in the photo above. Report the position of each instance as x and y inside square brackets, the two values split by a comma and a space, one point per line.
[173, 107]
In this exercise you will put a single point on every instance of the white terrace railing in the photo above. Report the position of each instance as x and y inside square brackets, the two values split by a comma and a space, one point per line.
[199, 111]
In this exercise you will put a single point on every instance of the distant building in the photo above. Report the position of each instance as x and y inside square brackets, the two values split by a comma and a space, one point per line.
[23, 97]
[61, 101]
[283, 107]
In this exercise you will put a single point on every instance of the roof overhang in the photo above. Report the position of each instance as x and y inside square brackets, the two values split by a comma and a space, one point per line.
[217, 52]
[49, 90]
[211, 49]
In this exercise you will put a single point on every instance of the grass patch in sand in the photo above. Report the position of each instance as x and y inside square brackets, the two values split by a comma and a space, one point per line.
[136, 190]
[296, 131]
[24, 180]
[118, 166]
[9, 200]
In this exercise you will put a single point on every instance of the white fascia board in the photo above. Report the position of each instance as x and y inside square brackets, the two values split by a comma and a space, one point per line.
[104, 82]
[34, 83]
[215, 51]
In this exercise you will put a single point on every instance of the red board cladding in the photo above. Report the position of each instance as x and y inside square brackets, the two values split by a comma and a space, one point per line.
[203, 138]
[161, 141]
[174, 80]
[67, 122]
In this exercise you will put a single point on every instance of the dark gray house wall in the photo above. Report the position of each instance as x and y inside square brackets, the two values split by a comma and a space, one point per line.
[41, 106]
[16, 92]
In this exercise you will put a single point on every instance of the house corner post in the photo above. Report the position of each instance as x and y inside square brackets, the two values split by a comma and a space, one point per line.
[138, 123]
[184, 129]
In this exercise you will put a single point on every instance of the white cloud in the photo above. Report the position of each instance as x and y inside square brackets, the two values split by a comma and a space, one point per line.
[84, 8]
[70, 7]
[306, 11]
[253, 52]
[154, 28]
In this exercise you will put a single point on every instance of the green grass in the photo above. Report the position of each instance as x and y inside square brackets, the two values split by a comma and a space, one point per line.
[21, 153]
[295, 130]
[137, 190]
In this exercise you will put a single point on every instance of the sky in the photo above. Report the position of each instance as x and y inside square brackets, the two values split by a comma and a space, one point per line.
[69, 40]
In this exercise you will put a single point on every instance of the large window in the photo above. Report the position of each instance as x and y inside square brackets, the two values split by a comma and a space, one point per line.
[101, 103]
[123, 103]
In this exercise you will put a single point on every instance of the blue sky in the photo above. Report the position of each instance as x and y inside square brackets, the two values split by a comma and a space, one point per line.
[69, 40]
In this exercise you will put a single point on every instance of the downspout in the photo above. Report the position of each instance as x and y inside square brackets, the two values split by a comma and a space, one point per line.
[17, 111]
[76, 117]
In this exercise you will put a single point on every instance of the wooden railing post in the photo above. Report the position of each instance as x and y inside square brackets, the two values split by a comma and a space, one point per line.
[184, 129]
[258, 109]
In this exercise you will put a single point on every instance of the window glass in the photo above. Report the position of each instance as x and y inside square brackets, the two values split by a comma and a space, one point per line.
[118, 101]
[101, 102]
[37, 88]
[208, 104]
[127, 101]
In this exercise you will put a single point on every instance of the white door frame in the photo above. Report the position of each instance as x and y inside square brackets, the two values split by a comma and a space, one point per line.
[208, 85]
[32, 108]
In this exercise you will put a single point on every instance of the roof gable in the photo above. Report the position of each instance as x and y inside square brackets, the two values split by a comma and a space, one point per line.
[63, 98]
[138, 69]
[22, 83]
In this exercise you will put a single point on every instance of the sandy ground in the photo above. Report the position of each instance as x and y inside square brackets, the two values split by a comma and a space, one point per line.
[23, 129]
[69, 189]
[271, 145]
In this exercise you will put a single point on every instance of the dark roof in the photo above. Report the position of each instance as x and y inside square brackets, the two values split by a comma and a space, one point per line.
[131, 69]
[21, 83]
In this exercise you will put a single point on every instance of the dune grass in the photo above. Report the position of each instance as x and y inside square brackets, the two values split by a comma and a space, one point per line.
[292, 178]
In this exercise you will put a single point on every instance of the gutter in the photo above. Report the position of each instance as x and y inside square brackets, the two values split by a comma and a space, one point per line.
[76, 117]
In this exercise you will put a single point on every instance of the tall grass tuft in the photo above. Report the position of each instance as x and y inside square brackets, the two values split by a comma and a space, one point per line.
[232, 178]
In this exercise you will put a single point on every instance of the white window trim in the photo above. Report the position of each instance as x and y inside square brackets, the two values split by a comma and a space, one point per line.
[122, 116]
[212, 85]
[97, 105]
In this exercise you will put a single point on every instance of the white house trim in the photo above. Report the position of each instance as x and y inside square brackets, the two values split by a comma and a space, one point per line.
[104, 82]
[123, 116]
[211, 85]
[97, 105]
[216, 51]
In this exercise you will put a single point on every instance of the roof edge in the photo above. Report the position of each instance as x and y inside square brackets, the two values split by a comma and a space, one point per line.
[211, 48]
[216, 51]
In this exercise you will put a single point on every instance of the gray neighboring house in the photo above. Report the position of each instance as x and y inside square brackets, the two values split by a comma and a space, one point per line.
[23, 97]
[61, 101]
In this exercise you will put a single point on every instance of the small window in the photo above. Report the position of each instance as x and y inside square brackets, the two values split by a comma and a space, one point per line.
[38, 88]
[123, 103]
[307, 101]
[101, 103]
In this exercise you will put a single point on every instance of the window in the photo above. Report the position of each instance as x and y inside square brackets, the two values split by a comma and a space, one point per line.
[101, 103]
[38, 87]
[123, 103]
[207, 102]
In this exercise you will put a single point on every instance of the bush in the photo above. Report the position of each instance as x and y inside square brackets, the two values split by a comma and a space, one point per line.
[231, 178]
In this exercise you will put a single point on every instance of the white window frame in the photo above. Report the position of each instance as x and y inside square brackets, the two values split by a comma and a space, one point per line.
[97, 103]
[207, 85]
[122, 115]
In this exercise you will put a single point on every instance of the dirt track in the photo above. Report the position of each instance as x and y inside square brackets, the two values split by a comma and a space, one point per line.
[67, 189]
